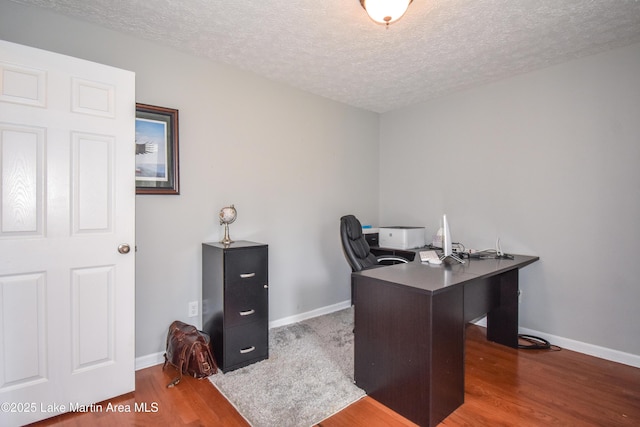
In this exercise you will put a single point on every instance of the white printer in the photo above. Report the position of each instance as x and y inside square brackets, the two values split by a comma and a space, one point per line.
[399, 237]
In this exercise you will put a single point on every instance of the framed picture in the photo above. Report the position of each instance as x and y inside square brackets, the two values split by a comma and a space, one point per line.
[157, 168]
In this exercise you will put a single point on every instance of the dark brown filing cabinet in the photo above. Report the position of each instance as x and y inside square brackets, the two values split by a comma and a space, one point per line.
[235, 302]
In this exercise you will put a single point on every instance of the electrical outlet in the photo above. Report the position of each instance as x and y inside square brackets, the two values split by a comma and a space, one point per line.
[193, 308]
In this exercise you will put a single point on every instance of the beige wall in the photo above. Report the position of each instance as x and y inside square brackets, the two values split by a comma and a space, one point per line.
[291, 162]
[549, 162]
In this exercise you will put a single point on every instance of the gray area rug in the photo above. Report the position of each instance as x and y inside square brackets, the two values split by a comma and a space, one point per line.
[307, 378]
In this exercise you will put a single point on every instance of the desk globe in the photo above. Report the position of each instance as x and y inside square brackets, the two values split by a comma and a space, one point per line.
[227, 215]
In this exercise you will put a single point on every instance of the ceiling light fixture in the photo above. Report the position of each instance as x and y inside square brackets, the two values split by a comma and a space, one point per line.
[385, 11]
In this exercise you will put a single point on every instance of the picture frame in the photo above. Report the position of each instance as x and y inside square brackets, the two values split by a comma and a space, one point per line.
[157, 165]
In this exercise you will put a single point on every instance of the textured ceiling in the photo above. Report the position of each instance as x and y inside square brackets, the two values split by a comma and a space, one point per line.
[331, 48]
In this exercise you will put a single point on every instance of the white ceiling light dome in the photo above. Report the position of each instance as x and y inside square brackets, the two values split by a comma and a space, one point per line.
[385, 11]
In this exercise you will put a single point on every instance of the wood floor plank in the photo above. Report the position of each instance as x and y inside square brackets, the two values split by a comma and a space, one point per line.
[509, 387]
[193, 402]
[366, 412]
[503, 387]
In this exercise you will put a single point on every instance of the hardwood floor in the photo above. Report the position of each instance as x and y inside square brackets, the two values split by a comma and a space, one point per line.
[192, 402]
[503, 387]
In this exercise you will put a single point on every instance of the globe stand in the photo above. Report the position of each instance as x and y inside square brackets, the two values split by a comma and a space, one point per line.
[227, 216]
[226, 240]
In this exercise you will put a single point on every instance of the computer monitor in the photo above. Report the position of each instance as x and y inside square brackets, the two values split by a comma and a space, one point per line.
[447, 245]
[447, 248]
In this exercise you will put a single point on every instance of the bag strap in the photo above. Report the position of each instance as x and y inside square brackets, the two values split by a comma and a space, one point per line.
[214, 368]
[205, 341]
[204, 359]
[177, 379]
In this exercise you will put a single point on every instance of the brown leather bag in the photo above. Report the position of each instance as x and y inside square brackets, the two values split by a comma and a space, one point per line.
[188, 350]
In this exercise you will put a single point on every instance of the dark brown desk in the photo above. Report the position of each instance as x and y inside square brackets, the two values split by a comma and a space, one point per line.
[409, 329]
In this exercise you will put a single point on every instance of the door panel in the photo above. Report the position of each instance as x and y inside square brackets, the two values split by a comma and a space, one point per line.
[93, 98]
[67, 187]
[92, 317]
[22, 172]
[92, 177]
[23, 85]
[22, 350]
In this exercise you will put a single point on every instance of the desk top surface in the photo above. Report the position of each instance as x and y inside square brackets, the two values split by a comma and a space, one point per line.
[436, 278]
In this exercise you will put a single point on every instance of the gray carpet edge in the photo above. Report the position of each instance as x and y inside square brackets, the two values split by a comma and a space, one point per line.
[307, 378]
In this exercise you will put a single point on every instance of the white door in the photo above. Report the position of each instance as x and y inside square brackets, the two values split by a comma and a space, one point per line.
[67, 187]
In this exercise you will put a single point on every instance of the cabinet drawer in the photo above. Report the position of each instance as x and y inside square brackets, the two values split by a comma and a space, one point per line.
[245, 344]
[246, 266]
[245, 303]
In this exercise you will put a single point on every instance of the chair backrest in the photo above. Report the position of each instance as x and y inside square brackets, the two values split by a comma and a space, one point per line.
[355, 246]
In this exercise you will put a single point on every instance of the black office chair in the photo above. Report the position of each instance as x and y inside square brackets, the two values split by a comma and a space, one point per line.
[357, 250]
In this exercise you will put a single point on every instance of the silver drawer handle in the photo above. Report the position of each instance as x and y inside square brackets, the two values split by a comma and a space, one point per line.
[247, 313]
[247, 275]
[247, 350]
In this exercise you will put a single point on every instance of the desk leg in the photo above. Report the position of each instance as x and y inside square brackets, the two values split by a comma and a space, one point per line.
[502, 321]
[409, 349]
[353, 292]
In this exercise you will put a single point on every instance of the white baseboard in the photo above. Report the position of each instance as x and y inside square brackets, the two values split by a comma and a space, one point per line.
[158, 358]
[586, 348]
[149, 360]
[310, 314]
[580, 347]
